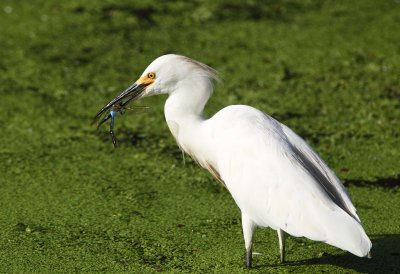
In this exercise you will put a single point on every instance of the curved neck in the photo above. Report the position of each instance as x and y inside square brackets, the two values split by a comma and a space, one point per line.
[184, 115]
[187, 101]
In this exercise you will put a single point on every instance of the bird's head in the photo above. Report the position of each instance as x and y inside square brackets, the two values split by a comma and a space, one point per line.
[163, 76]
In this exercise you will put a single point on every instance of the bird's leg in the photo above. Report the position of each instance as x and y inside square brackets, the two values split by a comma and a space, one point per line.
[282, 237]
[248, 227]
[249, 257]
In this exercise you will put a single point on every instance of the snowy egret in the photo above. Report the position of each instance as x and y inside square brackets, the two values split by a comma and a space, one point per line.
[275, 178]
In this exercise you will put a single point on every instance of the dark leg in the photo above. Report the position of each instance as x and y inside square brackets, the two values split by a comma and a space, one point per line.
[248, 231]
[282, 237]
[248, 258]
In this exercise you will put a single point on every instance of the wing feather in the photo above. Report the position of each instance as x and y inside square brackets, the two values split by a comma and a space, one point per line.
[304, 156]
[264, 147]
[277, 180]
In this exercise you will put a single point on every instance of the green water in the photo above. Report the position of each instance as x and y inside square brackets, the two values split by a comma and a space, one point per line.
[70, 202]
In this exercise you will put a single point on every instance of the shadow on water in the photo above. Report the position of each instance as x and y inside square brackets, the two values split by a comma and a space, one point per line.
[385, 257]
[389, 182]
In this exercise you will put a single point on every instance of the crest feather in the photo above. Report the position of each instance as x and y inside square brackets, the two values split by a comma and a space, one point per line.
[206, 70]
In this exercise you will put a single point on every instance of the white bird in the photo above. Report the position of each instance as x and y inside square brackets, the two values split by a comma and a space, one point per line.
[275, 178]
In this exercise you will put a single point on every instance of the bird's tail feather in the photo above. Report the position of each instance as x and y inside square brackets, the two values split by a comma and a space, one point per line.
[345, 232]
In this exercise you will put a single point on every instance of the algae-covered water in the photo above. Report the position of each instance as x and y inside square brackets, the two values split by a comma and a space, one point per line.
[70, 202]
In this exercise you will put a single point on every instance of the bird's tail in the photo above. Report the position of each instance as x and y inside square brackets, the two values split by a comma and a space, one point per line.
[345, 232]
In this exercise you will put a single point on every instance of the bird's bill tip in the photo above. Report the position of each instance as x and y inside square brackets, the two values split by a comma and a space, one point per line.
[133, 92]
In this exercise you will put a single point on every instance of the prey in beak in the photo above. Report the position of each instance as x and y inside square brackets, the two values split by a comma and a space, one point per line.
[119, 104]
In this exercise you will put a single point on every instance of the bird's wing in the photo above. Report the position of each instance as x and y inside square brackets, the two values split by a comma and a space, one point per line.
[273, 174]
[305, 156]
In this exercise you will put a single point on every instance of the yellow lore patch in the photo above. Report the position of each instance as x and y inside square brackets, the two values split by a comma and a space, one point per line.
[146, 80]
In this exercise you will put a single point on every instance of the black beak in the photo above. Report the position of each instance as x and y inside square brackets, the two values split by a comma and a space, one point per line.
[135, 91]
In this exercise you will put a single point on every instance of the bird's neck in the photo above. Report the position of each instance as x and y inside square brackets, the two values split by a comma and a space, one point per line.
[186, 103]
[184, 115]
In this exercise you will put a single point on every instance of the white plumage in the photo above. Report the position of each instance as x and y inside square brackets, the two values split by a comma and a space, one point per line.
[275, 178]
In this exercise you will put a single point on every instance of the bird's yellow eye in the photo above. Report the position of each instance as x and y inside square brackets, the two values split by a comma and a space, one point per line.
[151, 75]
